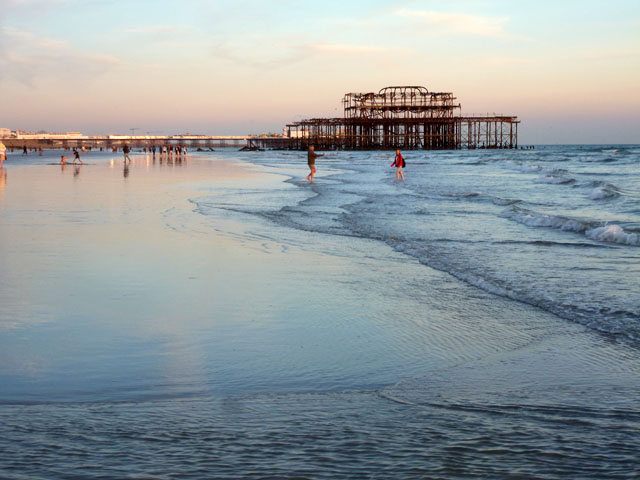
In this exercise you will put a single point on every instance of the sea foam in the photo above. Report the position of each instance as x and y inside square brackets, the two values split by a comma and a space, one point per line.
[593, 230]
[613, 234]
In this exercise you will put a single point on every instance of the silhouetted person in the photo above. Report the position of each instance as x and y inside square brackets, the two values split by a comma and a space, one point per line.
[76, 156]
[311, 161]
[126, 151]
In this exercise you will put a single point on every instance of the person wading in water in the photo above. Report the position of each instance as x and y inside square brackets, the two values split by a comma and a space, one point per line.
[398, 162]
[126, 151]
[311, 160]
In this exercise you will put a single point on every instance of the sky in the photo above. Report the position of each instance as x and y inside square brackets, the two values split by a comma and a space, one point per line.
[570, 70]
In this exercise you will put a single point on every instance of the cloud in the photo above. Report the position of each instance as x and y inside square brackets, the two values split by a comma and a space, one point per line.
[611, 55]
[27, 58]
[286, 54]
[160, 30]
[282, 55]
[183, 45]
[99, 59]
[347, 49]
[457, 23]
[32, 3]
[162, 37]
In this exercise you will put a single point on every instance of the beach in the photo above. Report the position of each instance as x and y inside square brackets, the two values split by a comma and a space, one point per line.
[216, 316]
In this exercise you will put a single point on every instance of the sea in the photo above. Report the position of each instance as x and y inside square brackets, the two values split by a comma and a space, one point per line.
[218, 316]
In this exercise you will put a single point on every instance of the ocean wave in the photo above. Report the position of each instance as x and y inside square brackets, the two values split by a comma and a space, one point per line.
[600, 190]
[539, 169]
[482, 197]
[503, 202]
[522, 167]
[550, 243]
[534, 219]
[602, 193]
[613, 234]
[554, 179]
[462, 195]
[591, 229]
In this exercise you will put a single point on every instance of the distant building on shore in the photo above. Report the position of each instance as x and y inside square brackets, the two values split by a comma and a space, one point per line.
[51, 136]
[24, 135]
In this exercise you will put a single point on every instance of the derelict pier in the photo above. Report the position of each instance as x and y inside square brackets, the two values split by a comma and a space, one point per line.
[406, 117]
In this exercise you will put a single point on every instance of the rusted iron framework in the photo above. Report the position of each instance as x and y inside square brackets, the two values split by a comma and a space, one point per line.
[395, 103]
[405, 117]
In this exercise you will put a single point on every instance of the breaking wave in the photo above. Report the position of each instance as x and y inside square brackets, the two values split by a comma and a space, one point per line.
[603, 191]
[597, 231]
[613, 234]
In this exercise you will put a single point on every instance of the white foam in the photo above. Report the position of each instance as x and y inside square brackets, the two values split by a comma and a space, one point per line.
[613, 234]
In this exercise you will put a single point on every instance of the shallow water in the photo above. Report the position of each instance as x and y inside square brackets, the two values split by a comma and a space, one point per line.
[219, 317]
[558, 228]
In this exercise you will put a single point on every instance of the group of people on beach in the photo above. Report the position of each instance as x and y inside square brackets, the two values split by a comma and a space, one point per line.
[398, 163]
[161, 149]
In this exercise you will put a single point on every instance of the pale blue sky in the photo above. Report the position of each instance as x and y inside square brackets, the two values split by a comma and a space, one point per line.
[570, 70]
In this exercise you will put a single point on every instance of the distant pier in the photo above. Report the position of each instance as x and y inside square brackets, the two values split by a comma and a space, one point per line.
[404, 117]
[53, 141]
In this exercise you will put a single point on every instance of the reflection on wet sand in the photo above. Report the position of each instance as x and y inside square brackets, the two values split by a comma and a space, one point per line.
[166, 159]
[76, 169]
[148, 161]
